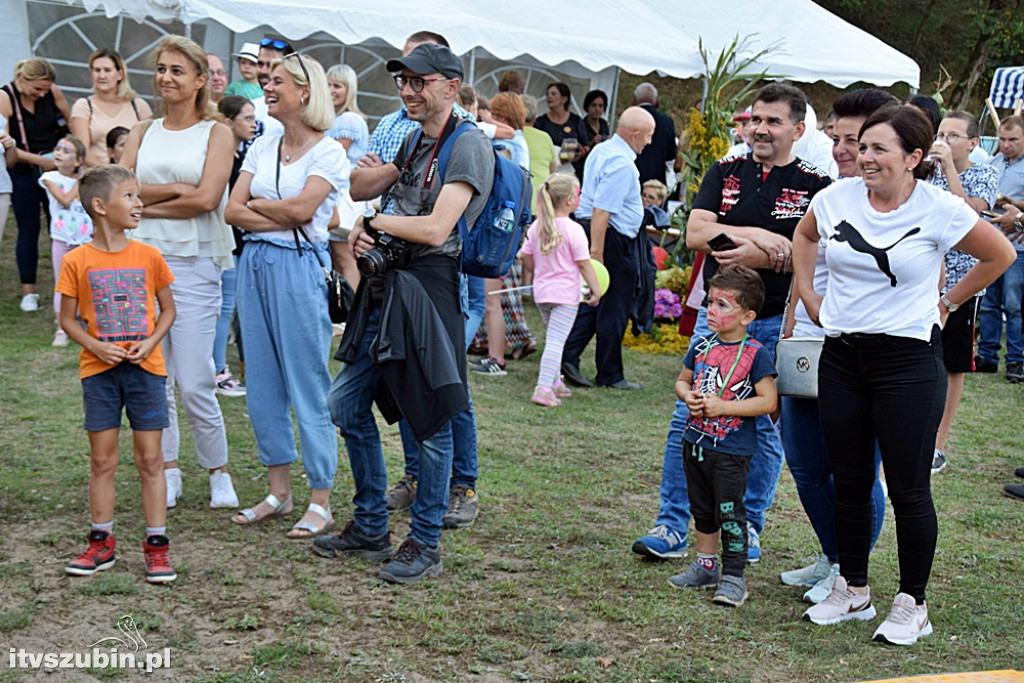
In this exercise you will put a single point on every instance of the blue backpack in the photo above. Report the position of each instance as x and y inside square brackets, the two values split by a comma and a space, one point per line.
[488, 249]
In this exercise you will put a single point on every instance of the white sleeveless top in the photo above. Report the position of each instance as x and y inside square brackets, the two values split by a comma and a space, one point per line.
[178, 156]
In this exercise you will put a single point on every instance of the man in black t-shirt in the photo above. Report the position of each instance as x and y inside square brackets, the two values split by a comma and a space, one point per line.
[756, 200]
[412, 303]
[651, 162]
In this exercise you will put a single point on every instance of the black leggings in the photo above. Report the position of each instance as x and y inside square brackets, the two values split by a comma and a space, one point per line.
[716, 483]
[892, 389]
[26, 199]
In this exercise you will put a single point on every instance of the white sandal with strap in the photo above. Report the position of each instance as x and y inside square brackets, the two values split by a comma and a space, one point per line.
[271, 500]
[307, 530]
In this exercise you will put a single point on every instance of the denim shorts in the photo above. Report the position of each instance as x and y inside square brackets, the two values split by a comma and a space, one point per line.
[142, 394]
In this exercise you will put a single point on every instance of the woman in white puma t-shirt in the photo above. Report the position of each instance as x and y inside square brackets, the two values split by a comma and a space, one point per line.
[881, 374]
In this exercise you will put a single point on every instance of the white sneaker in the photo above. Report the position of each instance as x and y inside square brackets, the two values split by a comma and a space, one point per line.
[907, 621]
[222, 493]
[60, 338]
[809, 575]
[29, 303]
[821, 590]
[173, 477]
[842, 604]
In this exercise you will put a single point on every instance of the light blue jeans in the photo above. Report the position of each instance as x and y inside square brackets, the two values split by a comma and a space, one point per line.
[228, 287]
[765, 465]
[282, 307]
[351, 404]
[1003, 297]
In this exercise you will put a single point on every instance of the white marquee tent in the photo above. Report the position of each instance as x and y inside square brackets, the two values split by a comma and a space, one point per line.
[577, 36]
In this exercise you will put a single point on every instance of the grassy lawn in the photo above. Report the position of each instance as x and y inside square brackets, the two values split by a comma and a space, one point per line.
[542, 588]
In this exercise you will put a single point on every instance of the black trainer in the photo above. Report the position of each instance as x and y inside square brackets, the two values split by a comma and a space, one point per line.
[1015, 373]
[351, 541]
[985, 365]
[412, 562]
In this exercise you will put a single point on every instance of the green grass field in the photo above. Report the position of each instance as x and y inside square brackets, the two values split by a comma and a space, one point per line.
[542, 588]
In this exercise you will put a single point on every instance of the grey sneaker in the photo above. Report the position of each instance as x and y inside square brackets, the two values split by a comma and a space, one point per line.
[809, 575]
[463, 507]
[401, 496]
[413, 562]
[351, 541]
[696, 577]
[732, 591]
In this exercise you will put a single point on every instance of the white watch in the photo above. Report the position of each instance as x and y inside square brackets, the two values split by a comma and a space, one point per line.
[950, 306]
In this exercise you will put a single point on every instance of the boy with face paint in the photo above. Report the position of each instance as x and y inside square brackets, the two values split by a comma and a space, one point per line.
[725, 378]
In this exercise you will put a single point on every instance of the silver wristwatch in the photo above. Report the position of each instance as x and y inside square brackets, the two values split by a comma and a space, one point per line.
[950, 306]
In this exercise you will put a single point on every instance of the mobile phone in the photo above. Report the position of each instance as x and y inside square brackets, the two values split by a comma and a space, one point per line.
[989, 213]
[721, 242]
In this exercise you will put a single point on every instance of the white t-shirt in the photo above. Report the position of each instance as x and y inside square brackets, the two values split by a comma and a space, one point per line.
[325, 159]
[883, 268]
[69, 224]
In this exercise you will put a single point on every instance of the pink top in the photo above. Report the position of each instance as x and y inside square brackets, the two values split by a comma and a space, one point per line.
[556, 276]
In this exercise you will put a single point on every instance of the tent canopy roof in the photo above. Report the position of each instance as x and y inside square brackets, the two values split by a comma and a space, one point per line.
[808, 43]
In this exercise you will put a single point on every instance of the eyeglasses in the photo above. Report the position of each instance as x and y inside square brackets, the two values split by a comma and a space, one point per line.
[415, 82]
[276, 44]
[949, 137]
[218, 72]
[301, 64]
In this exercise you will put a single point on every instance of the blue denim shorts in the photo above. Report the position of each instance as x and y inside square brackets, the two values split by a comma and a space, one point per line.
[141, 394]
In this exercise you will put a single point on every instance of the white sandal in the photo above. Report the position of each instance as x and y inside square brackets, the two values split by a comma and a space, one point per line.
[308, 530]
[271, 500]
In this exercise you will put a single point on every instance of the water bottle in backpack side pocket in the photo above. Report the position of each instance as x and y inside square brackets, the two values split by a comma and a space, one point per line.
[506, 220]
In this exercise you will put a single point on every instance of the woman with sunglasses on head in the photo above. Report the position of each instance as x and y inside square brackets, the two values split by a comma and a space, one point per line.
[112, 104]
[183, 162]
[35, 110]
[284, 197]
[881, 375]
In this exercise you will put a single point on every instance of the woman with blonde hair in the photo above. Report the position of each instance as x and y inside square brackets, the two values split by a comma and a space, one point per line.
[35, 110]
[350, 130]
[284, 197]
[183, 162]
[113, 103]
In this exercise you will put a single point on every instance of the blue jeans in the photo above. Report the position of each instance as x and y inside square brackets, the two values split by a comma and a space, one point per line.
[350, 401]
[805, 455]
[1003, 297]
[283, 313]
[765, 466]
[228, 288]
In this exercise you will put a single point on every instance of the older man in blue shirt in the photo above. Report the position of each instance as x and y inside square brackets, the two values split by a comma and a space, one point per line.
[610, 211]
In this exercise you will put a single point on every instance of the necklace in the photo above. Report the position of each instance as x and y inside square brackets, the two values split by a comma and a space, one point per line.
[288, 157]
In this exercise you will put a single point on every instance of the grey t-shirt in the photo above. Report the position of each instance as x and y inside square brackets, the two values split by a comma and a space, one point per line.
[471, 162]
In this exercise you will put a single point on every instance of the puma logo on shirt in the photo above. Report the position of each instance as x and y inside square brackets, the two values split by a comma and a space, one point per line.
[849, 234]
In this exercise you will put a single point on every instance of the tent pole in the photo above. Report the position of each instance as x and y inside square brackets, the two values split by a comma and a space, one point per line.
[615, 99]
[472, 67]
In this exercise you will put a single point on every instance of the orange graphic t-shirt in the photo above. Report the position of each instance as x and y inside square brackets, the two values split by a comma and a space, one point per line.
[116, 294]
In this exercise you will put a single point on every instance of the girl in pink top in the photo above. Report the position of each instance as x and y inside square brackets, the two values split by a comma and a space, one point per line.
[557, 253]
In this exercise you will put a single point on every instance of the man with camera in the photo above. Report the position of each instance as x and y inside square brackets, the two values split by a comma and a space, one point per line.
[407, 301]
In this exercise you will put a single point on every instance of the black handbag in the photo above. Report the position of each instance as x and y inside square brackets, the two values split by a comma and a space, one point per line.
[339, 291]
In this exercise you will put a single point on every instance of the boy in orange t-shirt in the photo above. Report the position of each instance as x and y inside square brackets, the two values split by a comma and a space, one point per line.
[117, 284]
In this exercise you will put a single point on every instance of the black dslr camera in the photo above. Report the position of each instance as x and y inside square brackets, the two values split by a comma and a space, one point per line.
[388, 251]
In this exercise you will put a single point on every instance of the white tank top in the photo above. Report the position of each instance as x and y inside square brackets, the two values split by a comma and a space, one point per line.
[178, 156]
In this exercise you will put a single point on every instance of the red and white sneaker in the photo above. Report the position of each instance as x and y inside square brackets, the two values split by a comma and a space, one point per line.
[155, 550]
[98, 557]
[842, 604]
[907, 621]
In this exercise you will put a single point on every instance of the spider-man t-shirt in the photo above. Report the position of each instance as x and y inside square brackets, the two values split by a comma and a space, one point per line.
[711, 360]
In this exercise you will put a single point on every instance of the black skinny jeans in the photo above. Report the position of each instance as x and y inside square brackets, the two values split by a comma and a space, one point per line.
[892, 389]
[26, 199]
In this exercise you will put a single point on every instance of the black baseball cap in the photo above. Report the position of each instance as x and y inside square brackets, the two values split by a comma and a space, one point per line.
[429, 58]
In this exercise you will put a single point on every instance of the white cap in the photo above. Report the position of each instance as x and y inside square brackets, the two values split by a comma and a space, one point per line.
[249, 51]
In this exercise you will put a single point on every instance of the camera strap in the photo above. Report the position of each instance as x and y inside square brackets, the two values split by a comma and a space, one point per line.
[428, 178]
